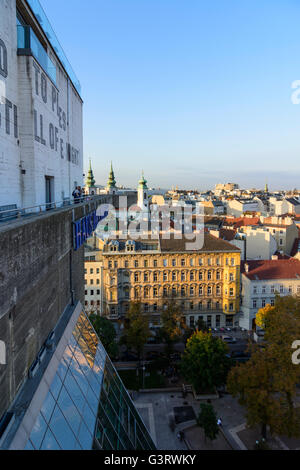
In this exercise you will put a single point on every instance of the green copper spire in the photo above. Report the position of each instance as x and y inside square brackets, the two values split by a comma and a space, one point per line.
[111, 180]
[266, 188]
[90, 181]
[143, 182]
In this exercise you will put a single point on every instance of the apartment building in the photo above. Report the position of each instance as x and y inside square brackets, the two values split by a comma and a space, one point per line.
[205, 282]
[262, 280]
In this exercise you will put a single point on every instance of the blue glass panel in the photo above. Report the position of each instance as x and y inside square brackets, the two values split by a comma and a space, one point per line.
[38, 431]
[69, 410]
[56, 386]
[61, 430]
[85, 437]
[50, 442]
[29, 446]
[79, 376]
[48, 407]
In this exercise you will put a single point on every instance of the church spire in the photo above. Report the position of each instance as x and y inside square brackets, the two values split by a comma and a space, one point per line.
[111, 184]
[143, 182]
[90, 180]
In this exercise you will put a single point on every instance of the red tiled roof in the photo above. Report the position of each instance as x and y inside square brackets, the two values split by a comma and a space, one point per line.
[272, 269]
[242, 221]
[227, 234]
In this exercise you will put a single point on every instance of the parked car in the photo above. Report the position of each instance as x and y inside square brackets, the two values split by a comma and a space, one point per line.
[228, 339]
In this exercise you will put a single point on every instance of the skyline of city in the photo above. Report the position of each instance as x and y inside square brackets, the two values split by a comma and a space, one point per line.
[194, 95]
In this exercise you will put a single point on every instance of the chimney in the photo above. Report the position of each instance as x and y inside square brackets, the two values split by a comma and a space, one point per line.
[246, 267]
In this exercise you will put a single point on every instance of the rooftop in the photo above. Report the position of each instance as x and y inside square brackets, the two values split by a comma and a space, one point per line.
[260, 270]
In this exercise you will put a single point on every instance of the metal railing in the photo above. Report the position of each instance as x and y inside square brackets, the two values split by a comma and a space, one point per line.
[16, 213]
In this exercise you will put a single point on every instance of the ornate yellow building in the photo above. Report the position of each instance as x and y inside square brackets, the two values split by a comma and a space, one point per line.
[205, 282]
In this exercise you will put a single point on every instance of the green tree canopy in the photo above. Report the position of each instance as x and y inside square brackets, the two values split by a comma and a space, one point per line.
[106, 332]
[207, 420]
[204, 362]
[137, 330]
[173, 325]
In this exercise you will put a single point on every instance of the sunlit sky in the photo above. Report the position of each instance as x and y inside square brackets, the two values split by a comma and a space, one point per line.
[193, 92]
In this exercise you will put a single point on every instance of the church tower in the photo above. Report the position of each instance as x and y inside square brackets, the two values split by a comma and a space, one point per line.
[90, 180]
[143, 200]
[111, 184]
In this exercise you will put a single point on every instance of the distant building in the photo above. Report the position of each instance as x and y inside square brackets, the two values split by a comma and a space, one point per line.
[262, 281]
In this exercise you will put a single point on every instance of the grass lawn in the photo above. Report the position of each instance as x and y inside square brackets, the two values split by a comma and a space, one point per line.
[132, 382]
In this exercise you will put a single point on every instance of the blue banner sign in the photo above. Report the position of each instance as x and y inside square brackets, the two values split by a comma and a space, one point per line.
[83, 228]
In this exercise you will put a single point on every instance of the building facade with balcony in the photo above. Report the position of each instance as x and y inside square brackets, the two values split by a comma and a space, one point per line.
[205, 282]
[41, 150]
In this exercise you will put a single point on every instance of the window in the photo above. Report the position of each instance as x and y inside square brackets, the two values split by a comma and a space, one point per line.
[272, 289]
[227, 261]
[155, 307]
[116, 264]
[91, 271]
[209, 262]
[232, 261]
[263, 289]
[192, 322]
[209, 305]
[126, 264]
[280, 242]
[85, 271]
[165, 276]
[85, 292]
[254, 289]
[136, 277]
[183, 276]
[136, 263]
[146, 307]
[218, 261]
[209, 290]
[281, 289]
[209, 320]
[155, 263]
[92, 292]
[183, 262]
[200, 276]
[231, 292]
[218, 275]
[192, 276]
[218, 320]
[200, 290]
[254, 303]
[173, 262]
[165, 292]
[218, 290]
[146, 277]
[191, 262]
[155, 277]
[110, 264]
[182, 291]
[174, 276]
[98, 271]
[272, 302]
[231, 277]
[145, 263]
[200, 306]
[290, 289]
[165, 263]
[146, 292]
[98, 281]
[209, 275]
[191, 306]
[174, 291]
[200, 262]
[263, 303]
[98, 292]
[231, 307]
[192, 291]
[92, 281]
[155, 292]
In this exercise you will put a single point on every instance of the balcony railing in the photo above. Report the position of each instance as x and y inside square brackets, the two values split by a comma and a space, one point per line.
[48, 30]
[28, 43]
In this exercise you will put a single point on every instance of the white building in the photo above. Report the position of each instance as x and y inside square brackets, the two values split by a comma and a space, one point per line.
[261, 281]
[239, 207]
[41, 150]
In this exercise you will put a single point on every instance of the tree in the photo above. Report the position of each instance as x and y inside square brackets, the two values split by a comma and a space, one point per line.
[106, 332]
[266, 385]
[137, 329]
[205, 362]
[172, 325]
[207, 420]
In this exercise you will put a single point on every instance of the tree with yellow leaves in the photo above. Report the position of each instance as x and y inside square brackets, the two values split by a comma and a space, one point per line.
[266, 385]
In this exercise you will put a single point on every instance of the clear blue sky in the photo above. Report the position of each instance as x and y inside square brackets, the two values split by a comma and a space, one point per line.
[194, 92]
